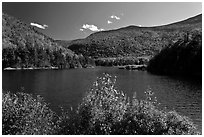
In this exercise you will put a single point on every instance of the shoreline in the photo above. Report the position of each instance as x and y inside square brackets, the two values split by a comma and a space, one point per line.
[133, 67]
[41, 68]
[31, 68]
[126, 67]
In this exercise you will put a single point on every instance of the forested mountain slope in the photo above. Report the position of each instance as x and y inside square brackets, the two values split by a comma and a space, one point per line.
[184, 57]
[25, 47]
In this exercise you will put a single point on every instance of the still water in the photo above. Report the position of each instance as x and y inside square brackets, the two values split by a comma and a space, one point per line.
[66, 88]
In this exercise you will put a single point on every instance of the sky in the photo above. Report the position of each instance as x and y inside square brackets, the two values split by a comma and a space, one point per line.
[68, 21]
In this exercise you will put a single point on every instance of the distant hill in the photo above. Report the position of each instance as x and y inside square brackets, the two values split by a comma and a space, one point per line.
[132, 40]
[23, 46]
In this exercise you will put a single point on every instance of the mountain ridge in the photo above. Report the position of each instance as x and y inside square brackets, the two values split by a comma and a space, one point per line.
[132, 40]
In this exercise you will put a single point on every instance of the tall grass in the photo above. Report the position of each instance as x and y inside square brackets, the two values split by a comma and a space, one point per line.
[104, 110]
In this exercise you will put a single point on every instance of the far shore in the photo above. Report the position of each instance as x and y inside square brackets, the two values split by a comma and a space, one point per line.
[127, 67]
[133, 67]
[30, 68]
[38, 68]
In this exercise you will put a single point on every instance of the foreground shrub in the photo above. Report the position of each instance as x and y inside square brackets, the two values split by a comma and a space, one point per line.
[23, 114]
[106, 110]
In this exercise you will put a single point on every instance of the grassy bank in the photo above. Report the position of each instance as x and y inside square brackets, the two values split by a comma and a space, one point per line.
[103, 110]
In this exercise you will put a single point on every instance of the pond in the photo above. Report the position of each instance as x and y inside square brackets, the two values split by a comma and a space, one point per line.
[66, 88]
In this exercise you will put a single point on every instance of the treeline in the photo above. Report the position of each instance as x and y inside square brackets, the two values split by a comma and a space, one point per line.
[121, 61]
[39, 57]
[103, 111]
[25, 47]
[184, 57]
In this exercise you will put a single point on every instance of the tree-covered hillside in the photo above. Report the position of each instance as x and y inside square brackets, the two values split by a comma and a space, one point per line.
[23, 47]
[184, 57]
[132, 40]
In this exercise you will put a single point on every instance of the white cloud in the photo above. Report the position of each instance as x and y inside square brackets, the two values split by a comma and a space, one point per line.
[44, 26]
[81, 29]
[113, 16]
[91, 27]
[109, 22]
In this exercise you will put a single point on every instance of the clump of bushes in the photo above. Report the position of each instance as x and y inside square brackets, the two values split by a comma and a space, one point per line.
[104, 110]
[25, 115]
